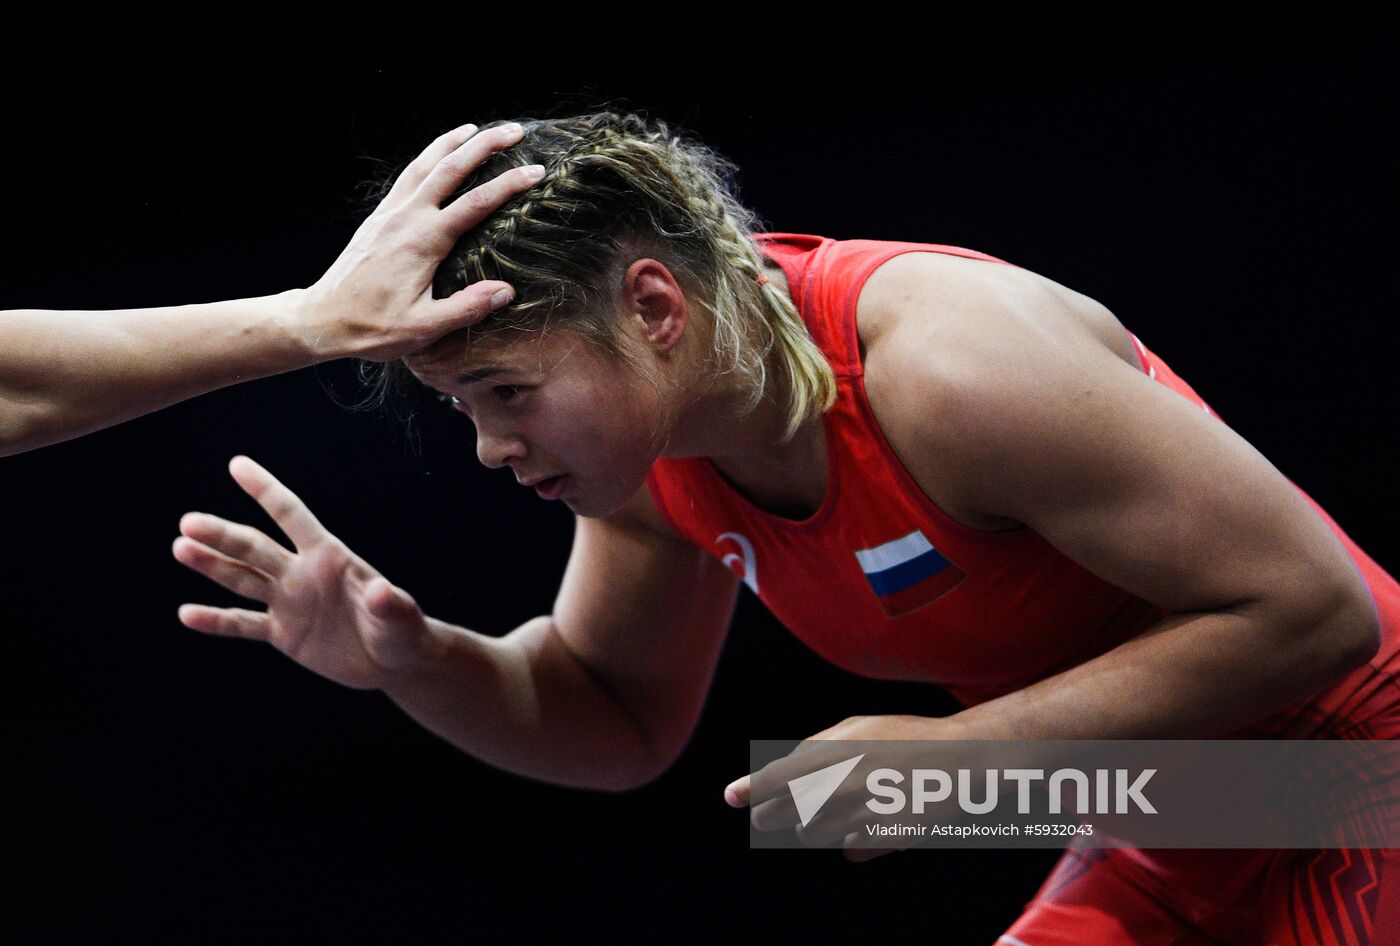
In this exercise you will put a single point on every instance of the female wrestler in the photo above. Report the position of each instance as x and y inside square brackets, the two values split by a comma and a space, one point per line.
[929, 464]
[64, 374]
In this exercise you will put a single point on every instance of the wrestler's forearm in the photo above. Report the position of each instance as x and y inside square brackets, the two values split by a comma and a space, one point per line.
[526, 704]
[66, 373]
[1191, 676]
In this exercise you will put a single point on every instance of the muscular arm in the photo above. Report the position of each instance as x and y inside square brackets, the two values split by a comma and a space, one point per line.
[1139, 486]
[606, 690]
[64, 374]
[526, 704]
[602, 693]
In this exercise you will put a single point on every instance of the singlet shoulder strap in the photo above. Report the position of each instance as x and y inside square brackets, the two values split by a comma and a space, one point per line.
[825, 277]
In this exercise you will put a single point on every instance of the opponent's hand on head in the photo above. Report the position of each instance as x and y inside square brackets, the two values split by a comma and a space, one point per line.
[327, 608]
[375, 302]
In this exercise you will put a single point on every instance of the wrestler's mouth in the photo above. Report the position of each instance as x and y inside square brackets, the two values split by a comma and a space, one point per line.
[551, 488]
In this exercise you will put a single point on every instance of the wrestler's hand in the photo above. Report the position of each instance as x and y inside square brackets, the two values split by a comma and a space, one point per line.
[376, 301]
[864, 743]
[327, 608]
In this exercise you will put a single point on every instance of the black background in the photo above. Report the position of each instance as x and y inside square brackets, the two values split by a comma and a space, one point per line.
[1231, 198]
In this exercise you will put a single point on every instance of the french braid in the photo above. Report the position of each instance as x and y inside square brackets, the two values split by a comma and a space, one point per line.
[617, 187]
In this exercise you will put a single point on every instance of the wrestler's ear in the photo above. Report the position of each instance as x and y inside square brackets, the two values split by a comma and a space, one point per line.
[654, 304]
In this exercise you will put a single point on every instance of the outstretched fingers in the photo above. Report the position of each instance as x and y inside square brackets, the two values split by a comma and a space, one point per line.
[237, 542]
[284, 506]
[238, 577]
[226, 622]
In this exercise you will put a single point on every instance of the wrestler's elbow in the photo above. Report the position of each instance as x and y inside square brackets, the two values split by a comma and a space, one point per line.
[17, 426]
[1364, 636]
[25, 425]
[1340, 625]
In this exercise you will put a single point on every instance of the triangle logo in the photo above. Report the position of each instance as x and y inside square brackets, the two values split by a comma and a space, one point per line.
[811, 791]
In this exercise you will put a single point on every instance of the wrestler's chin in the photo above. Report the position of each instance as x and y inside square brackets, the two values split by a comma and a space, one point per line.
[589, 507]
[591, 504]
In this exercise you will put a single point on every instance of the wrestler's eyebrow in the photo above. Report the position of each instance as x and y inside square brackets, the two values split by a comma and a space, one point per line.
[467, 377]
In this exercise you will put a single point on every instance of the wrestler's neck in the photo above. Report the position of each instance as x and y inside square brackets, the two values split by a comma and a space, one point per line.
[750, 444]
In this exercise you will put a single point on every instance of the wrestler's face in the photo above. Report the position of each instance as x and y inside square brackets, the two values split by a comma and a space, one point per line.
[552, 404]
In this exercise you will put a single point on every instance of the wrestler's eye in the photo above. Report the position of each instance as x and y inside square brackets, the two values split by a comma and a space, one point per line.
[507, 392]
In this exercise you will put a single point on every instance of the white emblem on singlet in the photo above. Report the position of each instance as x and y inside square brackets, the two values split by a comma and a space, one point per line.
[743, 564]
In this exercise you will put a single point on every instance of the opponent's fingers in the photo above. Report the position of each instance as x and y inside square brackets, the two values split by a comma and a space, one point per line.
[226, 622]
[236, 541]
[481, 201]
[284, 506]
[238, 577]
[448, 173]
[411, 177]
[465, 307]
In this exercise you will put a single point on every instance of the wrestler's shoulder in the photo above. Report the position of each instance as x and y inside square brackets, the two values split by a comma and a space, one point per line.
[978, 305]
[941, 334]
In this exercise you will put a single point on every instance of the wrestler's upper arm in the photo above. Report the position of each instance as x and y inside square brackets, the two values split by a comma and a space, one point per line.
[1118, 472]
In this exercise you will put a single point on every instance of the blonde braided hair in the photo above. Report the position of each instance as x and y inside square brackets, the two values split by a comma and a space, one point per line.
[619, 186]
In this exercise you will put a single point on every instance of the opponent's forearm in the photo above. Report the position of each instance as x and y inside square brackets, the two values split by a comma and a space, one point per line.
[525, 704]
[66, 373]
[1191, 676]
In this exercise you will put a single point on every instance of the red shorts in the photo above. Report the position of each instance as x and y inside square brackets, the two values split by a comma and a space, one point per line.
[1122, 896]
[1116, 897]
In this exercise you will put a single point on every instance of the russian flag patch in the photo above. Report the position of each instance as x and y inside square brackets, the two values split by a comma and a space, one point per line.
[907, 573]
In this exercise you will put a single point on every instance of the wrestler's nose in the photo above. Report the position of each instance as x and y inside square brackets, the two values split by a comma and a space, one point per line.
[496, 449]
